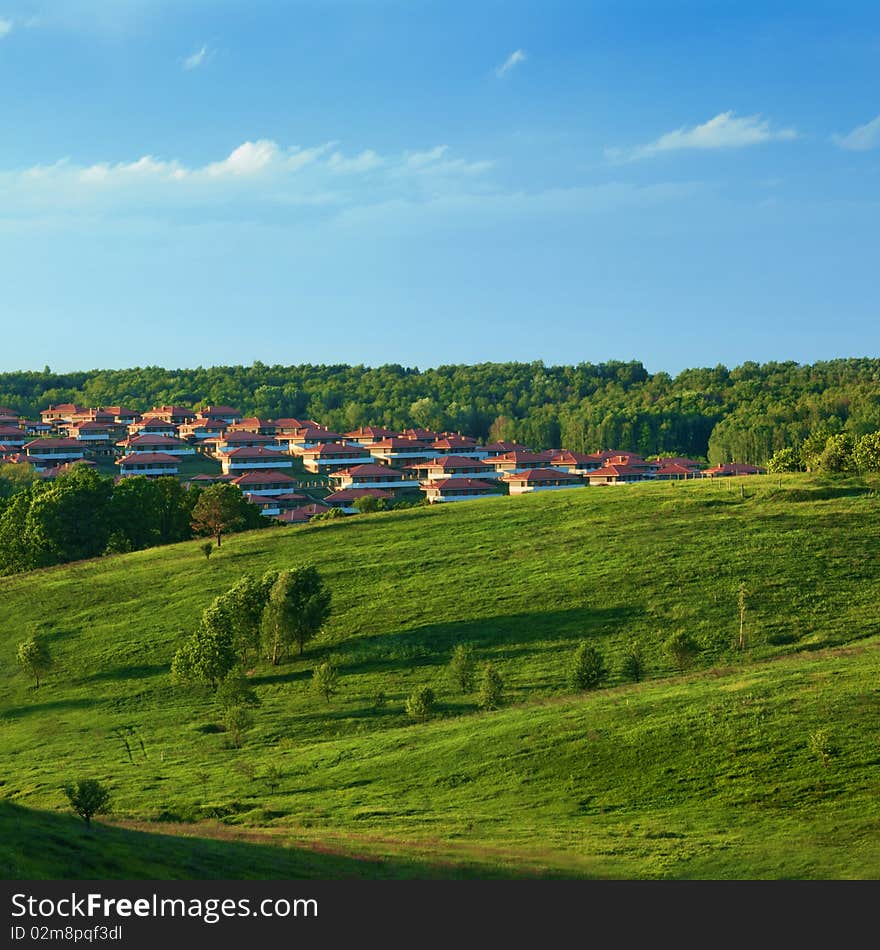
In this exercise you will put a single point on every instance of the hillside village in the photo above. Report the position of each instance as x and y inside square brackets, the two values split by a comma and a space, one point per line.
[294, 469]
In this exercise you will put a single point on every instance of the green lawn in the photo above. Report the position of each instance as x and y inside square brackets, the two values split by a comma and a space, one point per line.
[709, 774]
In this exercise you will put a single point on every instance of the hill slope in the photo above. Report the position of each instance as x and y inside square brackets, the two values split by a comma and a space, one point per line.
[710, 774]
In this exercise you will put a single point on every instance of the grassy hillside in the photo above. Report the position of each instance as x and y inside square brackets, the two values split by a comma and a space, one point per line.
[710, 774]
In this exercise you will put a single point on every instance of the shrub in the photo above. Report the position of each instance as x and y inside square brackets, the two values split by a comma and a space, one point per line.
[587, 670]
[207, 548]
[235, 690]
[463, 666]
[325, 680]
[88, 797]
[420, 703]
[633, 666]
[821, 746]
[237, 721]
[491, 688]
[33, 656]
[681, 648]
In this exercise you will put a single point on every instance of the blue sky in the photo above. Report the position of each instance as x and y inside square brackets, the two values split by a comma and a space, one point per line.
[201, 182]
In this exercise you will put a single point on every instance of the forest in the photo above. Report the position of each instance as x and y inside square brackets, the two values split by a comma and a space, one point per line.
[743, 414]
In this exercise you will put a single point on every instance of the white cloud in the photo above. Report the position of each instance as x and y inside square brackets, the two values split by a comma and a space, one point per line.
[516, 57]
[862, 137]
[198, 58]
[258, 174]
[724, 131]
[5, 27]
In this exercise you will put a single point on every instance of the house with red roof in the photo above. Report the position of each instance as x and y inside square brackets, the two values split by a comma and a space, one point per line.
[227, 414]
[517, 461]
[63, 412]
[366, 435]
[540, 479]
[301, 515]
[732, 468]
[93, 432]
[265, 483]
[372, 476]
[208, 478]
[615, 474]
[502, 448]
[229, 441]
[173, 414]
[150, 464]
[456, 489]
[122, 415]
[156, 443]
[455, 466]
[45, 452]
[421, 435]
[672, 472]
[578, 463]
[456, 444]
[690, 464]
[200, 430]
[249, 459]
[13, 436]
[332, 456]
[307, 437]
[401, 451]
[152, 425]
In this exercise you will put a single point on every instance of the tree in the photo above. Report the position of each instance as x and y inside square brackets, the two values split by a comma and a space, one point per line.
[741, 605]
[88, 797]
[243, 606]
[785, 460]
[587, 669]
[34, 657]
[325, 680]
[299, 605]
[491, 688]
[866, 454]
[420, 703]
[633, 666]
[237, 721]
[367, 504]
[207, 548]
[235, 690]
[210, 652]
[837, 456]
[219, 510]
[462, 667]
[682, 648]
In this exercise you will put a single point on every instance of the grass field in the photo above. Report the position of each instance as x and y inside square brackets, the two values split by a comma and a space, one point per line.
[710, 774]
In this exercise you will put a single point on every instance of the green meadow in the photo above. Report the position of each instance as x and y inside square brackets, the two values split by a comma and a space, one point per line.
[762, 762]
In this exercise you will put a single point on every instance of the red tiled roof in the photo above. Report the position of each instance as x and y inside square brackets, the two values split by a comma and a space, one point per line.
[464, 484]
[147, 458]
[335, 448]
[420, 435]
[541, 475]
[352, 494]
[54, 443]
[151, 440]
[563, 456]
[450, 462]
[516, 457]
[10, 432]
[266, 477]
[372, 431]
[673, 468]
[369, 469]
[254, 452]
[455, 442]
[231, 437]
[213, 478]
[734, 468]
[616, 470]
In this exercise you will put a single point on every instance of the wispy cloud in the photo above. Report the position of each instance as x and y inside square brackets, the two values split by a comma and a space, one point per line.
[724, 131]
[198, 58]
[5, 27]
[862, 138]
[258, 173]
[512, 61]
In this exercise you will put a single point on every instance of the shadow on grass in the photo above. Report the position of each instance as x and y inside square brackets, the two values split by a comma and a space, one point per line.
[503, 637]
[140, 672]
[68, 851]
[56, 704]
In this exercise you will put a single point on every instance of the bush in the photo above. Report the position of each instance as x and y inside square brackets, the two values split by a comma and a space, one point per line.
[587, 670]
[633, 666]
[207, 548]
[33, 656]
[681, 648]
[87, 798]
[237, 720]
[491, 688]
[236, 690]
[325, 680]
[821, 746]
[463, 667]
[420, 703]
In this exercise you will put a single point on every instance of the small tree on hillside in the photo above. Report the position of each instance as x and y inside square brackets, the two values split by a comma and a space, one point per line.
[219, 510]
[207, 548]
[210, 652]
[243, 606]
[587, 669]
[463, 666]
[325, 680]
[34, 658]
[741, 608]
[491, 688]
[237, 720]
[785, 460]
[420, 703]
[236, 690]
[299, 605]
[633, 666]
[682, 648]
[88, 797]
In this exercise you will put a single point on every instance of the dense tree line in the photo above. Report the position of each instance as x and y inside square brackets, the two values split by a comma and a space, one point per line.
[743, 414]
[83, 514]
